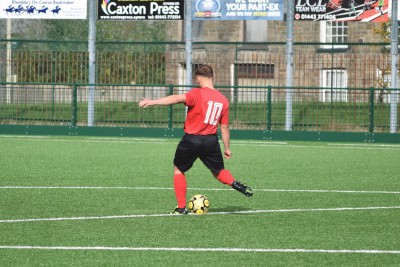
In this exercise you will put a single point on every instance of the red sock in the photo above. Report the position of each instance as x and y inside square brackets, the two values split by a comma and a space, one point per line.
[180, 187]
[225, 177]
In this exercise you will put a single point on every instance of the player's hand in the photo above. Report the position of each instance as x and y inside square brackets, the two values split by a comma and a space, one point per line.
[145, 103]
[228, 153]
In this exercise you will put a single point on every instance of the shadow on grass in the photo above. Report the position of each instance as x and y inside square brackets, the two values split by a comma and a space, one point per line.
[230, 209]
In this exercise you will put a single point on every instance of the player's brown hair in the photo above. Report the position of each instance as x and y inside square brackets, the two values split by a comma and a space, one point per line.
[204, 70]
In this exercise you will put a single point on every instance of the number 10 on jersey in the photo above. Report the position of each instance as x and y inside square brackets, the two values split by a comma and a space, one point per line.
[213, 112]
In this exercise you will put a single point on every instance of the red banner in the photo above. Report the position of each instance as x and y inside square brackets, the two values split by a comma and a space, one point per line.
[342, 10]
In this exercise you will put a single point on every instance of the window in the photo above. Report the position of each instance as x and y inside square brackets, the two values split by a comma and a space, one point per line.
[255, 71]
[333, 80]
[334, 32]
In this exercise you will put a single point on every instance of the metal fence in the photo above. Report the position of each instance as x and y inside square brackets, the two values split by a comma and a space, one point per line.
[251, 107]
[331, 86]
[337, 87]
[236, 64]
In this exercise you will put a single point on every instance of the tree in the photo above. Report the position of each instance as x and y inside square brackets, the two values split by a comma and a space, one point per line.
[384, 33]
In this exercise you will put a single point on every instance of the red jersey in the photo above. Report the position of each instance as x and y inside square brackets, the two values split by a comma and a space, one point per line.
[206, 109]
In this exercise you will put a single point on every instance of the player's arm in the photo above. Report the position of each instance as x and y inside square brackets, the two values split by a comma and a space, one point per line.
[164, 101]
[226, 138]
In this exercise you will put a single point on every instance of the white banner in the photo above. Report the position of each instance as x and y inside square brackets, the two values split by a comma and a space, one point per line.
[43, 9]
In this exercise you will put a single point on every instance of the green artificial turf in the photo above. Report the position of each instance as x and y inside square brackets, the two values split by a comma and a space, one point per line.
[71, 201]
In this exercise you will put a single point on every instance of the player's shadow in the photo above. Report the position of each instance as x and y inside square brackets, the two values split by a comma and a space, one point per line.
[232, 209]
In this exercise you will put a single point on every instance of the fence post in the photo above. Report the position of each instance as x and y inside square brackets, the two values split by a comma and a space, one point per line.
[236, 82]
[235, 101]
[170, 107]
[52, 101]
[53, 81]
[394, 52]
[74, 105]
[371, 110]
[269, 108]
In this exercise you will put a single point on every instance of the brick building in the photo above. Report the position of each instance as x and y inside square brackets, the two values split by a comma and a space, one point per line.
[253, 53]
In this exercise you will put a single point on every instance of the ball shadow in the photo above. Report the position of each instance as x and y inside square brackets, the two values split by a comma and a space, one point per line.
[229, 209]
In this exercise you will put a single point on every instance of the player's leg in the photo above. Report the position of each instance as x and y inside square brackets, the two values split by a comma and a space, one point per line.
[185, 156]
[180, 188]
[211, 156]
[226, 177]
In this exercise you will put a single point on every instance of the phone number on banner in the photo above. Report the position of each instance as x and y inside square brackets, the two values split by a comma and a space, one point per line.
[317, 17]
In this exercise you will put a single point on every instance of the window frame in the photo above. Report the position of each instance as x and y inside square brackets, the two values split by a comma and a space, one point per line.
[324, 35]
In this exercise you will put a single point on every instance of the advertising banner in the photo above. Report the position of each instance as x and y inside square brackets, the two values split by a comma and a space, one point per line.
[237, 10]
[141, 10]
[43, 9]
[342, 10]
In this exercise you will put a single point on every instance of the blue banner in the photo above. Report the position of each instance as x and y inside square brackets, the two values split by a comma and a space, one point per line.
[237, 10]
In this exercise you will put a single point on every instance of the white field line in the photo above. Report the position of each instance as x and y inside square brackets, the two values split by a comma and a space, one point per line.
[4, 136]
[235, 142]
[92, 187]
[191, 214]
[328, 191]
[364, 145]
[48, 138]
[262, 250]
[199, 189]
[88, 140]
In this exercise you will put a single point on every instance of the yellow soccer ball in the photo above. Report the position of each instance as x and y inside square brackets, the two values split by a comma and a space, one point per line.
[199, 204]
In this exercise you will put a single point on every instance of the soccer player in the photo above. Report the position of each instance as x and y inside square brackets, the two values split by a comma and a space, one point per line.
[207, 108]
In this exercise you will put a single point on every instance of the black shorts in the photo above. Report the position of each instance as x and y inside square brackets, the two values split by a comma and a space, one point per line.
[205, 147]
